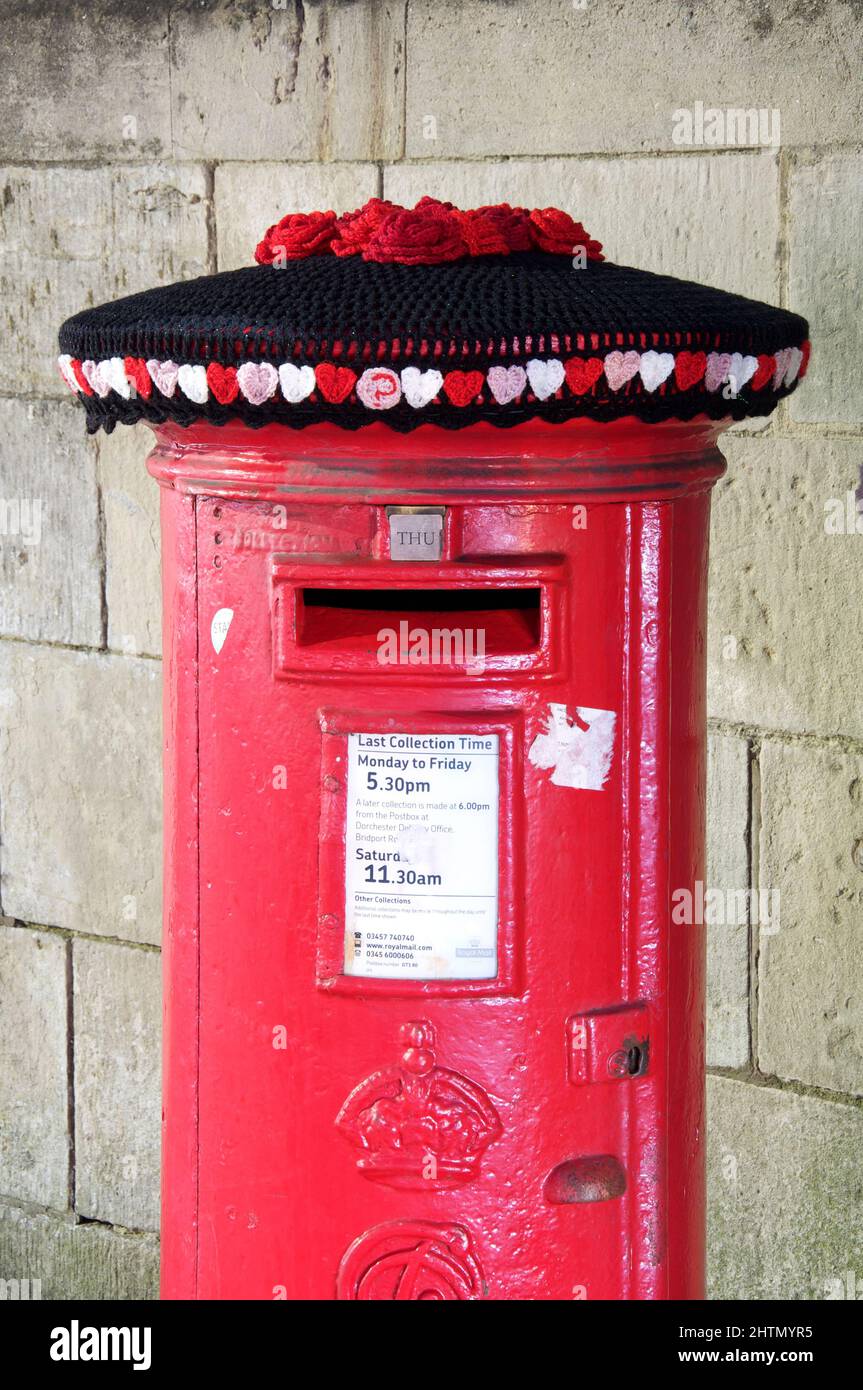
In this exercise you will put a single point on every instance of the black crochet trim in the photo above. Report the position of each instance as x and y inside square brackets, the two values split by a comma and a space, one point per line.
[106, 414]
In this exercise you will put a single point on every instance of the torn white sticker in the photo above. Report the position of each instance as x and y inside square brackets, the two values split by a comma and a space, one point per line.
[579, 752]
[219, 628]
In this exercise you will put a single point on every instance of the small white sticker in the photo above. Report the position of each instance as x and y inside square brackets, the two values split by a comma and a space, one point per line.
[421, 847]
[219, 628]
[578, 752]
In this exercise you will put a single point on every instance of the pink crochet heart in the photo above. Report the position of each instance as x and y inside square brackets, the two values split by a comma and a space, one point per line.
[258, 381]
[164, 376]
[620, 367]
[718, 367]
[506, 383]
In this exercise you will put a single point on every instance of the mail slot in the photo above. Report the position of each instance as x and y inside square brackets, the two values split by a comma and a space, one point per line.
[435, 509]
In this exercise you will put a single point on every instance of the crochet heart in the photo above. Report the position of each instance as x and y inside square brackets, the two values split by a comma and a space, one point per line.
[782, 359]
[545, 377]
[115, 375]
[582, 374]
[379, 388]
[689, 367]
[795, 359]
[136, 371]
[655, 367]
[296, 382]
[336, 383]
[223, 383]
[463, 387]
[257, 381]
[506, 383]
[740, 370]
[97, 377]
[192, 380]
[420, 387]
[164, 376]
[620, 367]
[763, 373]
[81, 377]
[718, 366]
[64, 362]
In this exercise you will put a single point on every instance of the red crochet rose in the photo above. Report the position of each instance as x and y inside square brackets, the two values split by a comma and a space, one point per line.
[483, 236]
[513, 224]
[354, 230]
[419, 236]
[298, 235]
[556, 232]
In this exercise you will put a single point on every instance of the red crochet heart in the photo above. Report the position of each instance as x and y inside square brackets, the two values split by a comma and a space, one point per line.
[80, 377]
[223, 383]
[336, 383]
[463, 387]
[806, 349]
[136, 371]
[764, 371]
[689, 368]
[582, 373]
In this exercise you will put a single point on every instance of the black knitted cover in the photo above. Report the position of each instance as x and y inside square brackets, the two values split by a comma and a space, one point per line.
[496, 338]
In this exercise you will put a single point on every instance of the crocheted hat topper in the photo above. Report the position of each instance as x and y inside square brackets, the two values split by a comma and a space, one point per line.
[430, 315]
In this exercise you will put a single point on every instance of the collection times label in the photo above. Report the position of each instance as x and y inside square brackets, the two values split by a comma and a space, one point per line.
[421, 880]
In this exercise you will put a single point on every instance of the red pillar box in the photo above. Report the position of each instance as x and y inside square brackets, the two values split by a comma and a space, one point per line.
[435, 495]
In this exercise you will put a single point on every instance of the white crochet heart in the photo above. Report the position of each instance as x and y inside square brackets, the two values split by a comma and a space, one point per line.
[95, 373]
[655, 367]
[257, 381]
[115, 374]
[296, 382]
[740, 370]
[545, 377]
[420, 387]
[64, 362]
[193, 382]
[164, 376]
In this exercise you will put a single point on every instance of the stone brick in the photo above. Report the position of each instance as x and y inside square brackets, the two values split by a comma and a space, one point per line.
[87, 81]
[314, 82]
[553, 77]
[826, 268]
[80, 790]
[49, 525]
[727, 869]
[117, 1001]
[785, 1188]
[78, 236]
[810, 973]
[250, 197]
[618, 202]
[34, 1135]
[786, 627]
[74, 1261]
[130, 507]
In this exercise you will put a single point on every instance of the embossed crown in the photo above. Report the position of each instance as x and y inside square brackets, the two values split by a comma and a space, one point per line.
[416, 1123]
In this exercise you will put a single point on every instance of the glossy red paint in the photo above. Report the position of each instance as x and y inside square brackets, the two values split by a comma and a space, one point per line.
[562, 1101]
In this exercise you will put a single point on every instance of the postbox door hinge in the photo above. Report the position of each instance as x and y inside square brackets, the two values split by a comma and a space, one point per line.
[608, 1044]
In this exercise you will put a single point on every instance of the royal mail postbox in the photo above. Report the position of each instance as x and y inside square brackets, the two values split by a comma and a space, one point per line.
[435, 500]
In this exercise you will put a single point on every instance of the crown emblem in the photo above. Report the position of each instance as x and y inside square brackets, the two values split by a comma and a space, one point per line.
[418, 1124]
